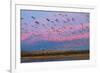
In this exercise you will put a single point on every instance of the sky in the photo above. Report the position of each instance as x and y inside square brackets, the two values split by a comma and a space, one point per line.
[54, 30]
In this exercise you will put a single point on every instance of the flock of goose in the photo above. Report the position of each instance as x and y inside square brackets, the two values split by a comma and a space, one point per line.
[51, 26]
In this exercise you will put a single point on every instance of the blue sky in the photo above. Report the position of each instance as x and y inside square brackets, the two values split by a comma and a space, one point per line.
[44, 32]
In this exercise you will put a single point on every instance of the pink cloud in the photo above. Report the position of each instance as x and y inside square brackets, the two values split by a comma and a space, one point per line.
[54, 35]
[26, 35]
[75, 37]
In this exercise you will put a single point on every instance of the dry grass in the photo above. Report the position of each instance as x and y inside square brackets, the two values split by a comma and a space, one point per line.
[55, 55]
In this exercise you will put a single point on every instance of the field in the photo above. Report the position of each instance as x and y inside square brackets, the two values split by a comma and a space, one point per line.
[51, 55]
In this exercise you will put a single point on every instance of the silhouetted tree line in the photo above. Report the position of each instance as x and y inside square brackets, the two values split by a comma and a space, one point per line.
[52, 53]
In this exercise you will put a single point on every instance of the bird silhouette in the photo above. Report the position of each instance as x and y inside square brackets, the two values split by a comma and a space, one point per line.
[68, 19]
[64, 21]
[33, 17]
[73, 19]
[25, 23]
[66, 15]
[36, 22]
[22, 18]
[57, 20]
[47, 19]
